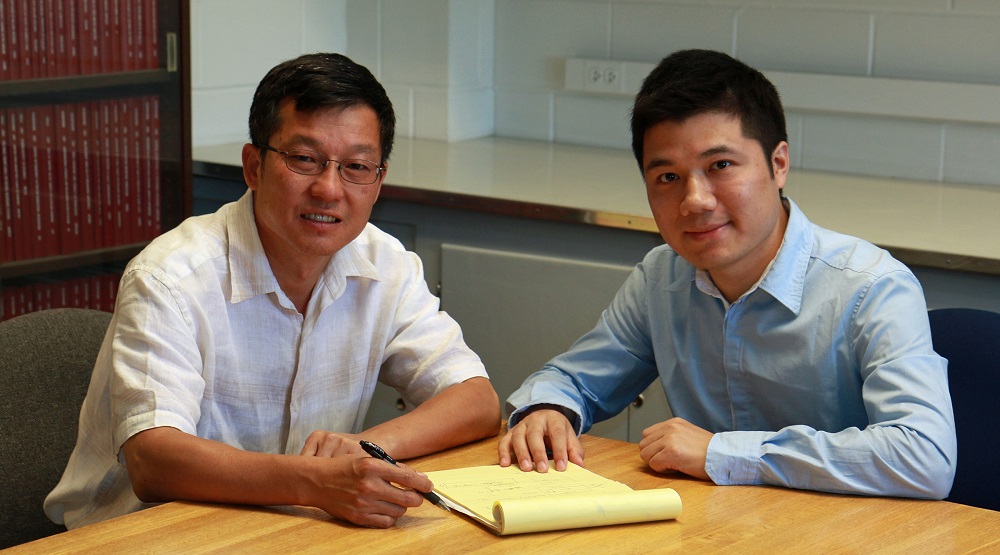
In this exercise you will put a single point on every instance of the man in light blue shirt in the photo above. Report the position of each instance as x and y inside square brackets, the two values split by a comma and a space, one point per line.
[790, 355]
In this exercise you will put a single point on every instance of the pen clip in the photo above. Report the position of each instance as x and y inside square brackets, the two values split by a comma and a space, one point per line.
[376, 451]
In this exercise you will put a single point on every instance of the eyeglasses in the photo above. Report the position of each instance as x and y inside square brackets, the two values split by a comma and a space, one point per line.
[308, 162]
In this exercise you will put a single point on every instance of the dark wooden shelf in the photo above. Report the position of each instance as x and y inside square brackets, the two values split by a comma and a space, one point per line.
[33, 92]
[45, 265]
[171, 84]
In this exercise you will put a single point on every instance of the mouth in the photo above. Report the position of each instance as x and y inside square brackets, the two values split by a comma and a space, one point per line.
[705, 232]
[321, 218]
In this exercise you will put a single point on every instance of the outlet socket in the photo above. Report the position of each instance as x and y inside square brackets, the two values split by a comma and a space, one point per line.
[605, 76]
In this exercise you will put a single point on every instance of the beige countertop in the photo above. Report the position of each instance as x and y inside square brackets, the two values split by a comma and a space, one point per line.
[948, 226]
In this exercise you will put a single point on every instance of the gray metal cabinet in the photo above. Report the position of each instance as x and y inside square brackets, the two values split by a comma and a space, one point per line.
[518, 309]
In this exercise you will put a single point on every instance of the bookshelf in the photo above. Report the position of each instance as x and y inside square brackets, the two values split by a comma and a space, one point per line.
[95, 147]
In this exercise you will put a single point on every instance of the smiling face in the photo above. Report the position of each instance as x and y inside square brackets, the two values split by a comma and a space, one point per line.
[714, 198]
[303, 220]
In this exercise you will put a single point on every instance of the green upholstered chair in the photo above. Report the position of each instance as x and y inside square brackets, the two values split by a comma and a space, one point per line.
[46, 359]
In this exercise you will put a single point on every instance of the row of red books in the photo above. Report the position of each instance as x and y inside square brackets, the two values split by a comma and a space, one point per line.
[60, 38]
[96, 291]
[79, 176]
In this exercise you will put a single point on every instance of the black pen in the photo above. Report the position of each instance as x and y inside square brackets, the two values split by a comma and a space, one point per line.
[378, 453]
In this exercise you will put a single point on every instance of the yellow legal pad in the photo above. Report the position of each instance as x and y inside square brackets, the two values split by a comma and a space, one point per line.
[510, 501]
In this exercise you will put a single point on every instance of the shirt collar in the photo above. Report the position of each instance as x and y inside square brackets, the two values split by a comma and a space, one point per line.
[251, 273]
[350, 261]
[785, 281]
[784, 277]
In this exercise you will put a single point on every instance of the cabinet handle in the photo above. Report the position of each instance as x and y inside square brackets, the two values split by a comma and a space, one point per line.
[638, 401]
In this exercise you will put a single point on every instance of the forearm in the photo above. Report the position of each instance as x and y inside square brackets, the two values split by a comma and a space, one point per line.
[166, 464]
[463, 412]
[879, 460]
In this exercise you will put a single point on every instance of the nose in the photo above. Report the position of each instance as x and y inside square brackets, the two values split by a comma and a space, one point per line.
[698, 196]
[328, 185]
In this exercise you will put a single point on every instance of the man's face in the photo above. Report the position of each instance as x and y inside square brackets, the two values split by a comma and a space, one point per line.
[713, 197]
[304, 219]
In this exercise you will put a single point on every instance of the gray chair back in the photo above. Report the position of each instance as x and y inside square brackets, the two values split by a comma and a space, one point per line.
[46, 359]
[969, 338]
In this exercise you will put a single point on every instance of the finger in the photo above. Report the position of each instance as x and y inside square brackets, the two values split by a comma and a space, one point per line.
[645, 452]
[659, 456]
[400, 499]
[330, 446]
[558, 443]
[375, 513]
[536, 448]
[646, 440]
[376, 486]
[575, 450]
[503, 450]
[402, 475]
[520, 447]
[374, 521]
[309, 449]
[420, 483]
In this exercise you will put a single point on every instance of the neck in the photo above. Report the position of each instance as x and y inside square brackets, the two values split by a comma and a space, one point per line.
[735, 281]
[296, 280]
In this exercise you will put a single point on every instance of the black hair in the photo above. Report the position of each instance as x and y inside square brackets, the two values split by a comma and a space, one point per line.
[693, 82]
[315, 82]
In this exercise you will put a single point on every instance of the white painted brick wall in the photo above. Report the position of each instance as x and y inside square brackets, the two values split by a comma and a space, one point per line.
[464, 68]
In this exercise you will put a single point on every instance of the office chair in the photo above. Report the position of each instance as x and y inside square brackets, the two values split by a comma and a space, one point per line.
[969, 339]
[46, 359]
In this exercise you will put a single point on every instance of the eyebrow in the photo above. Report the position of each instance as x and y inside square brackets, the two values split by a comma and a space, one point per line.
[313, 144]
[707, 153]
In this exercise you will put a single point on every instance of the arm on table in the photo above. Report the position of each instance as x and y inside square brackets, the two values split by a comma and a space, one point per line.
[166, 464]
[907, 448]
[463, 412]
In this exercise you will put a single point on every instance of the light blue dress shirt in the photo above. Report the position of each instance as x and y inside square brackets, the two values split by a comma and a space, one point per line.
[821, 377]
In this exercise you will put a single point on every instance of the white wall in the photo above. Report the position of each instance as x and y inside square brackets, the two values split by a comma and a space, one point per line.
[235, 42]
[434, 57]
[457, 69]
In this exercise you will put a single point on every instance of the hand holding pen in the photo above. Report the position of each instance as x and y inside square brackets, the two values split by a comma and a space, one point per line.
[378, 453]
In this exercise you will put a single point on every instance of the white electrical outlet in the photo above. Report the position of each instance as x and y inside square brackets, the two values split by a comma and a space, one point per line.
[602, 76]
[595, 75]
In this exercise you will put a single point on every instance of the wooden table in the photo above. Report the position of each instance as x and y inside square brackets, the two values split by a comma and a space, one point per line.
[730, 519]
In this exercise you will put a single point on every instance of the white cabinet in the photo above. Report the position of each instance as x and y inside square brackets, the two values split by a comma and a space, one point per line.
[518, 310]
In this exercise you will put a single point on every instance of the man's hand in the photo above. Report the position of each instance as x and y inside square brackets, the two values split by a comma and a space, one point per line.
[676, 445]
[529, 438]
[360, 489]
[330, 444]
[166, 464]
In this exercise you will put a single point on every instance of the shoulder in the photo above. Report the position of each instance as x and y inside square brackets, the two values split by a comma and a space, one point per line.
[665, 267]
[376, 242]
[381, 250]
[376, 255]
[852, 255]
[186, 248]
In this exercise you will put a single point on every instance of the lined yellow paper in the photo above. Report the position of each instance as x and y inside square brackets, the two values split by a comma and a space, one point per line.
[510, 501]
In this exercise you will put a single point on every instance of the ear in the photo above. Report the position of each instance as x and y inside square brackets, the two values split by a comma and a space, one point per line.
[780, 164]
[252, 166]
[381, 180]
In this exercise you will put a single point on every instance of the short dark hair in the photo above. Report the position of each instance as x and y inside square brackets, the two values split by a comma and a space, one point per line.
[692, 82]
[318, 81]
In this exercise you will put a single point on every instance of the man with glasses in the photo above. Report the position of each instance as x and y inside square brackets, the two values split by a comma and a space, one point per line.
[246, 344]
[790, 355]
